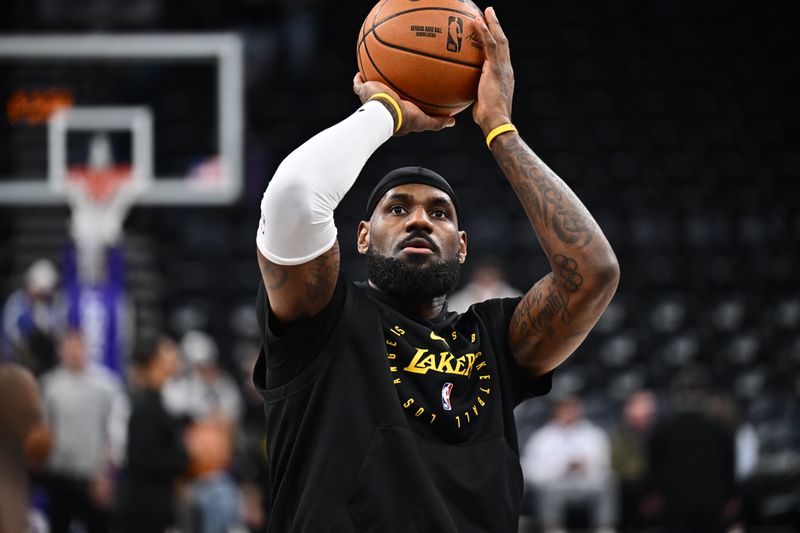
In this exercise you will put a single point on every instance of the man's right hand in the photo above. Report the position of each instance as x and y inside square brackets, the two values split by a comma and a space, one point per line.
[414, 119]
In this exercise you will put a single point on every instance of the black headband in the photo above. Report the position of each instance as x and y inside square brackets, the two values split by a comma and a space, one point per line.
[404, 175]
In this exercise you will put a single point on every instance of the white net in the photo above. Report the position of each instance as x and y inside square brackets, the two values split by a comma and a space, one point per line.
[101, 191]
[100, 201]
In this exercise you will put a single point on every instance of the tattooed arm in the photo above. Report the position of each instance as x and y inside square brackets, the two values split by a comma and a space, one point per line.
[557, 313]
[300, 291]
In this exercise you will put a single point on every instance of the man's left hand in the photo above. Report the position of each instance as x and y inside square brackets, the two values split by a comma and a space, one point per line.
[496, 86]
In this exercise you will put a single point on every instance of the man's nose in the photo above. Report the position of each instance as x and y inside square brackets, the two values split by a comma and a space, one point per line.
[418, 219]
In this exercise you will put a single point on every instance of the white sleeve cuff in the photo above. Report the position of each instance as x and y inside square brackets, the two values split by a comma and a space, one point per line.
[296, 222]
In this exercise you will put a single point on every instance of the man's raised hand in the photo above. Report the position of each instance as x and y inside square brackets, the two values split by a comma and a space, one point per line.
[414, 119]
[496, 86]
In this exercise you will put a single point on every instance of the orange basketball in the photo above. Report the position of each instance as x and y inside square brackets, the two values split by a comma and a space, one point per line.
[427, 51]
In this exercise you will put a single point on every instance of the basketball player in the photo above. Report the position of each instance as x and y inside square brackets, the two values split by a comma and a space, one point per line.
[386, 412]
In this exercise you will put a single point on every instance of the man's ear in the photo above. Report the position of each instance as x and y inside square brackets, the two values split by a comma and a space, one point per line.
[363, 237]
[462, 246]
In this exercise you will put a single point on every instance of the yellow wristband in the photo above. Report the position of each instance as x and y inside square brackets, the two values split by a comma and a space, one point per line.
[388, 98]
[497, 131]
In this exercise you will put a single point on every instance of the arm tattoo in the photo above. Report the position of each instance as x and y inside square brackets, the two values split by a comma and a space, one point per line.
[275, 276]
[322, 274]
[527, 320]
[550, 204]
[571, 279]
[546, 302]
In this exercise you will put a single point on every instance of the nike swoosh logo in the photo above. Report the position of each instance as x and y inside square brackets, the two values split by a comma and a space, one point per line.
[436, 337]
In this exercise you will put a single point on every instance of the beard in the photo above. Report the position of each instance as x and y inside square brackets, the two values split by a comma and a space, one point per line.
[412, 279]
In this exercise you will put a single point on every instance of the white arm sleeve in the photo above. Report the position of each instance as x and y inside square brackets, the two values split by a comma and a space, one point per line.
[296, 223]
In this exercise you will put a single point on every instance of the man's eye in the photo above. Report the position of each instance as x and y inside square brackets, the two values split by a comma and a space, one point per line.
[397, 210]
[439, 213]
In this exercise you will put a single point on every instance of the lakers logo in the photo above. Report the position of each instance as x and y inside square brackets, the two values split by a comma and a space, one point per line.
[414, 370]
[444, 362]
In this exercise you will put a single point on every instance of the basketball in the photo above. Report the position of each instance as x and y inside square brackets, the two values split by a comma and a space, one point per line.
[428, 51]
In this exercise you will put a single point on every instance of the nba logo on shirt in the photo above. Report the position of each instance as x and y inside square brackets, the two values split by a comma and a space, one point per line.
[446, 390]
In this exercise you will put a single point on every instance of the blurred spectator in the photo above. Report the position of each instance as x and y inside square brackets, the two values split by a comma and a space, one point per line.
[204, 391]
[746, 447]
[211, 399]
[24, 440]
[212, 494]
[84, 404]
[156, 455]
[693, 463]
[629, 459]
[746, 439]
[568, 461]
[487, 281]
[31, 316]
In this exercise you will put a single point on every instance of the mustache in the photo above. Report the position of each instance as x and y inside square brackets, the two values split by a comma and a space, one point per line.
[417, 234]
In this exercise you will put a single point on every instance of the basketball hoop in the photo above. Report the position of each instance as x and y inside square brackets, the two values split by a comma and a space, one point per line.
[99, 190]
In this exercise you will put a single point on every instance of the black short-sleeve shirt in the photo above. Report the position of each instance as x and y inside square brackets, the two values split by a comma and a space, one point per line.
[379, 421]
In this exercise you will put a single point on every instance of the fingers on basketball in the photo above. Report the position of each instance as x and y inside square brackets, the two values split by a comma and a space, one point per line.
[493, 24]
[487, 40]
[428, 55]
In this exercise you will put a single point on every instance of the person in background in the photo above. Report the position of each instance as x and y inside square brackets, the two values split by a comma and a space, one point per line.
[747, 447]
[568, 460]
[211, 399]
[724, 408]
[486, 282]
[25, 441]
[629, 460]
[31, 317]
[157, 456]
[692, 458]
[83, 402]
[204, 391]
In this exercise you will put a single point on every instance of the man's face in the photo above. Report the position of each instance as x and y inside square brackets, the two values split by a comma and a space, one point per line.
[165, 363]
[73, 351]
[568, 412]
[413, 231]
[640, 411]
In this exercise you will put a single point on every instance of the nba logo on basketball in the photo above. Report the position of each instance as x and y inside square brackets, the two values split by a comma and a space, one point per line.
[455, 29]
[446, 390]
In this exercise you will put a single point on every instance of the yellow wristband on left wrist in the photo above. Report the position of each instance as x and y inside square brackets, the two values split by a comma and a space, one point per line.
[504, 128]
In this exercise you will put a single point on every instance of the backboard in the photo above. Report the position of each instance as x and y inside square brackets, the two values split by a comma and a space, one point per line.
[171, 105]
